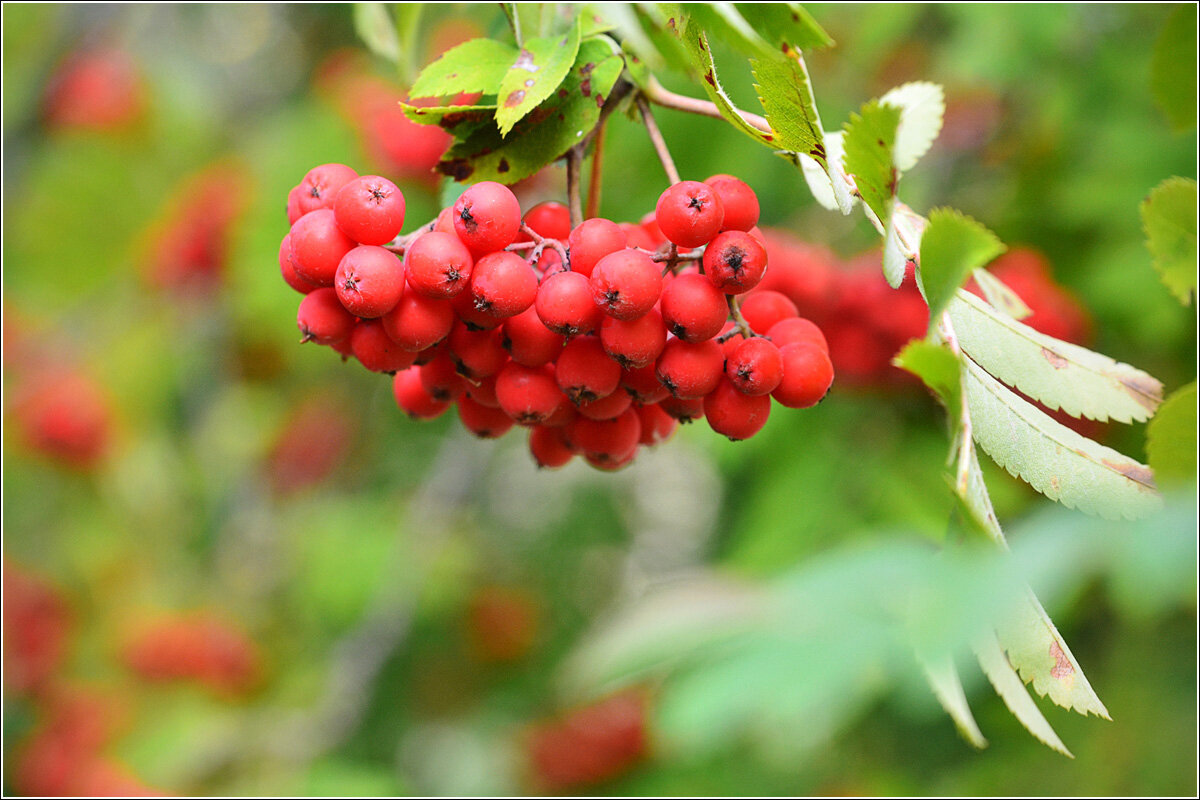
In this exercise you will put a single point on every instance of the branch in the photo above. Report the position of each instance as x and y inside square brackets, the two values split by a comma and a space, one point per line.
[656, 93]
[574, 203]
[660, 145]
[593, 195]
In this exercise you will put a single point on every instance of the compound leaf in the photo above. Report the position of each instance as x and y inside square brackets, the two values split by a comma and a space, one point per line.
[538, 70]
[1171, 438]
[952, 246]
[1169, 219]
[475, 66]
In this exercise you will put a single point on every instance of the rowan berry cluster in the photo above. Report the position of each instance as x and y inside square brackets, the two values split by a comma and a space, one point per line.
[598, 339]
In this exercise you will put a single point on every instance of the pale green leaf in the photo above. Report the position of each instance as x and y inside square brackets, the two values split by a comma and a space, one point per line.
[947, 688]
[1057, 374]
[538, 70]
[1000, 296]
[374, 26]
[1007, 684]
[937, 367]
[789, 23]
[476, 66]
[1173, 68]
[1169, 219]
[952, 246]
[894, 259]
[408, 31]
[922, 106]
[1171, 438]
[787, 100]
[870, 139]
[1055, 460]
[830, 188]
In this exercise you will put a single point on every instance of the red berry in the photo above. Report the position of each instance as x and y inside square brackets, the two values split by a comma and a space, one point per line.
[322, 318]
[797, 330]
[530, 342]
[369, 281]
[734, 414]
[636, 236]
[692, 308]
[762, 309]
[438, 265]
[807, 376]
[476, 354]
[607, 441]
[441, 380]
[690, 369]
[738, 200]
[487, 217]
[643, 385]
[318, 246]
[551, 220]
[626, 284]
[293, 206]
[418, 322]
[634, 343]
[564, 304]
[657, 425]
[371, 345]
[592, 240]
[484, 422]
[735, 262]
[503, 284]
[370, 210]
[585, 372]
[755, 368]
[528, 394]
[289, 269]
[474, 318]
[683, 410]
[321, 185]
[689, 213]
[484, 392]
[549, 447]
[606, 407]
[412, 398]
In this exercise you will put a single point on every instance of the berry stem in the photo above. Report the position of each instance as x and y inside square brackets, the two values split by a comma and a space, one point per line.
[593, 195]
[656, 138]
[539, 244]
[574, 203]
[735, 311]
[400, 244]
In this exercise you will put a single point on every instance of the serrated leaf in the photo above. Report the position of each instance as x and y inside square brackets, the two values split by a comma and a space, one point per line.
[374, 26]
[1007, 684]
[1052, 458]
[1057, 374]
[943, 679]
[449, 117]
[829, 188]
[538, 70]
[785, 22]
[922, 106]
[725, 23]
[1000, 296]
[937, 367]
[869, 141]
[1173, 68]
[549, 131]
[787, 100]
[1169, 220]
[952, 246]
[1171, 438]
[476, 66]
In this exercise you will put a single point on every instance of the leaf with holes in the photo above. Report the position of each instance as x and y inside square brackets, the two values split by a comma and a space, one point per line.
[1171, 438]
[952, 246]
[922, 106]
[538, 70]
[474, 67]
[785, 23]
[1169, 219]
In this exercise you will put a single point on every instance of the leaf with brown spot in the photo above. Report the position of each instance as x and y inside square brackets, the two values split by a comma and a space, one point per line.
[477, 66]
[538, 70]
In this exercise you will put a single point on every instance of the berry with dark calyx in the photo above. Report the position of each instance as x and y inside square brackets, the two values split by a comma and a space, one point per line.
[412, 398]
[418, 322]
[807, 376]
[441, 380]
[474, 318]
[369, 281]
[487, 217]
[584, 371]
[692, 308]
[322, 318]
[438, 265]
[689, 213]
[289, 269]
[626, 284]
[683, 410]
[370, 210]
[375, 350]
[318, 246]
[530, 342]
[606, 407]
[690, 370]
[657, 425]
[732, 413]
[550, 220]
[643, 385]
[549, 447]
[762, 309]
[592, 240]
[503, 284]
[321, 185]
[564, 304]
[634, 343]
[738, 200]
[607, 441]
[797, 330]
[755, 368]
[476, 354]
[484, 422]
[529, 395]
[735, 262]
[611, 463]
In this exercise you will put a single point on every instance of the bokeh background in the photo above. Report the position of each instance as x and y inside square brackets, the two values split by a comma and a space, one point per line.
[232, 566]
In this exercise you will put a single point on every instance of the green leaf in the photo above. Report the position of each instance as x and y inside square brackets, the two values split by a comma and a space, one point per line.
[947, 688]
[1057, 374]
[999, 296]
[789, 23]
[549, 131]
[952, 246]
[787, 100]
[725, 23]
[829, 187]
[450, 117]
[1054, 459]
[374, 26]
[940, 370]
[1169, 220]
[1173, 68]
[538, 70]
[870, 141]
[1007, 684]
[922, 106]
[408, 29]
[477, 66]
[1171, 438]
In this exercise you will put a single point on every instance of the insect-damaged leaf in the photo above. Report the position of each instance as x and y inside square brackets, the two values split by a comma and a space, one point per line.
[538, 70]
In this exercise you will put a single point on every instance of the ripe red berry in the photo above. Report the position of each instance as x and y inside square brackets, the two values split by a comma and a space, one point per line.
[731, 413]
[689, 213]
[438, 265]
[322, 318]
[441, 380]
[755, 368]
[634, 343]
[503, 284]
[735, 262]
[375, 350]
[476, 354]
[289, 269]
[626, 284]
[592, 240]
[484, 392]
[643, 385]
[484, 422]
[585, 372]
[321, 185]
[418, 322]
[318, 246]
[551, 220]
[549, 447]
[606, 407]
[738, 200]
[797, 330]
[293, 206]
[529, 395]
[369, 281]
[607, 441]
[762, 309]
[657, 425]
[692, 308]
[370, 210]
[683, 410]
[472, 317]
[530, 342]
[564, 304]
[807, 376]
[487, 217]
[690, 369]
[412, 398]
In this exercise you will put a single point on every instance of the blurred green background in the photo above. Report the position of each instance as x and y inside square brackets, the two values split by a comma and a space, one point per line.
[403, 599]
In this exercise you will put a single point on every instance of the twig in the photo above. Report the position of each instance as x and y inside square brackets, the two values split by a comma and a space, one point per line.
[735, 311]
[540, 243]
[660, 145]
[575, 204]
[593, 195]
[400, 244]
[656, 93]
